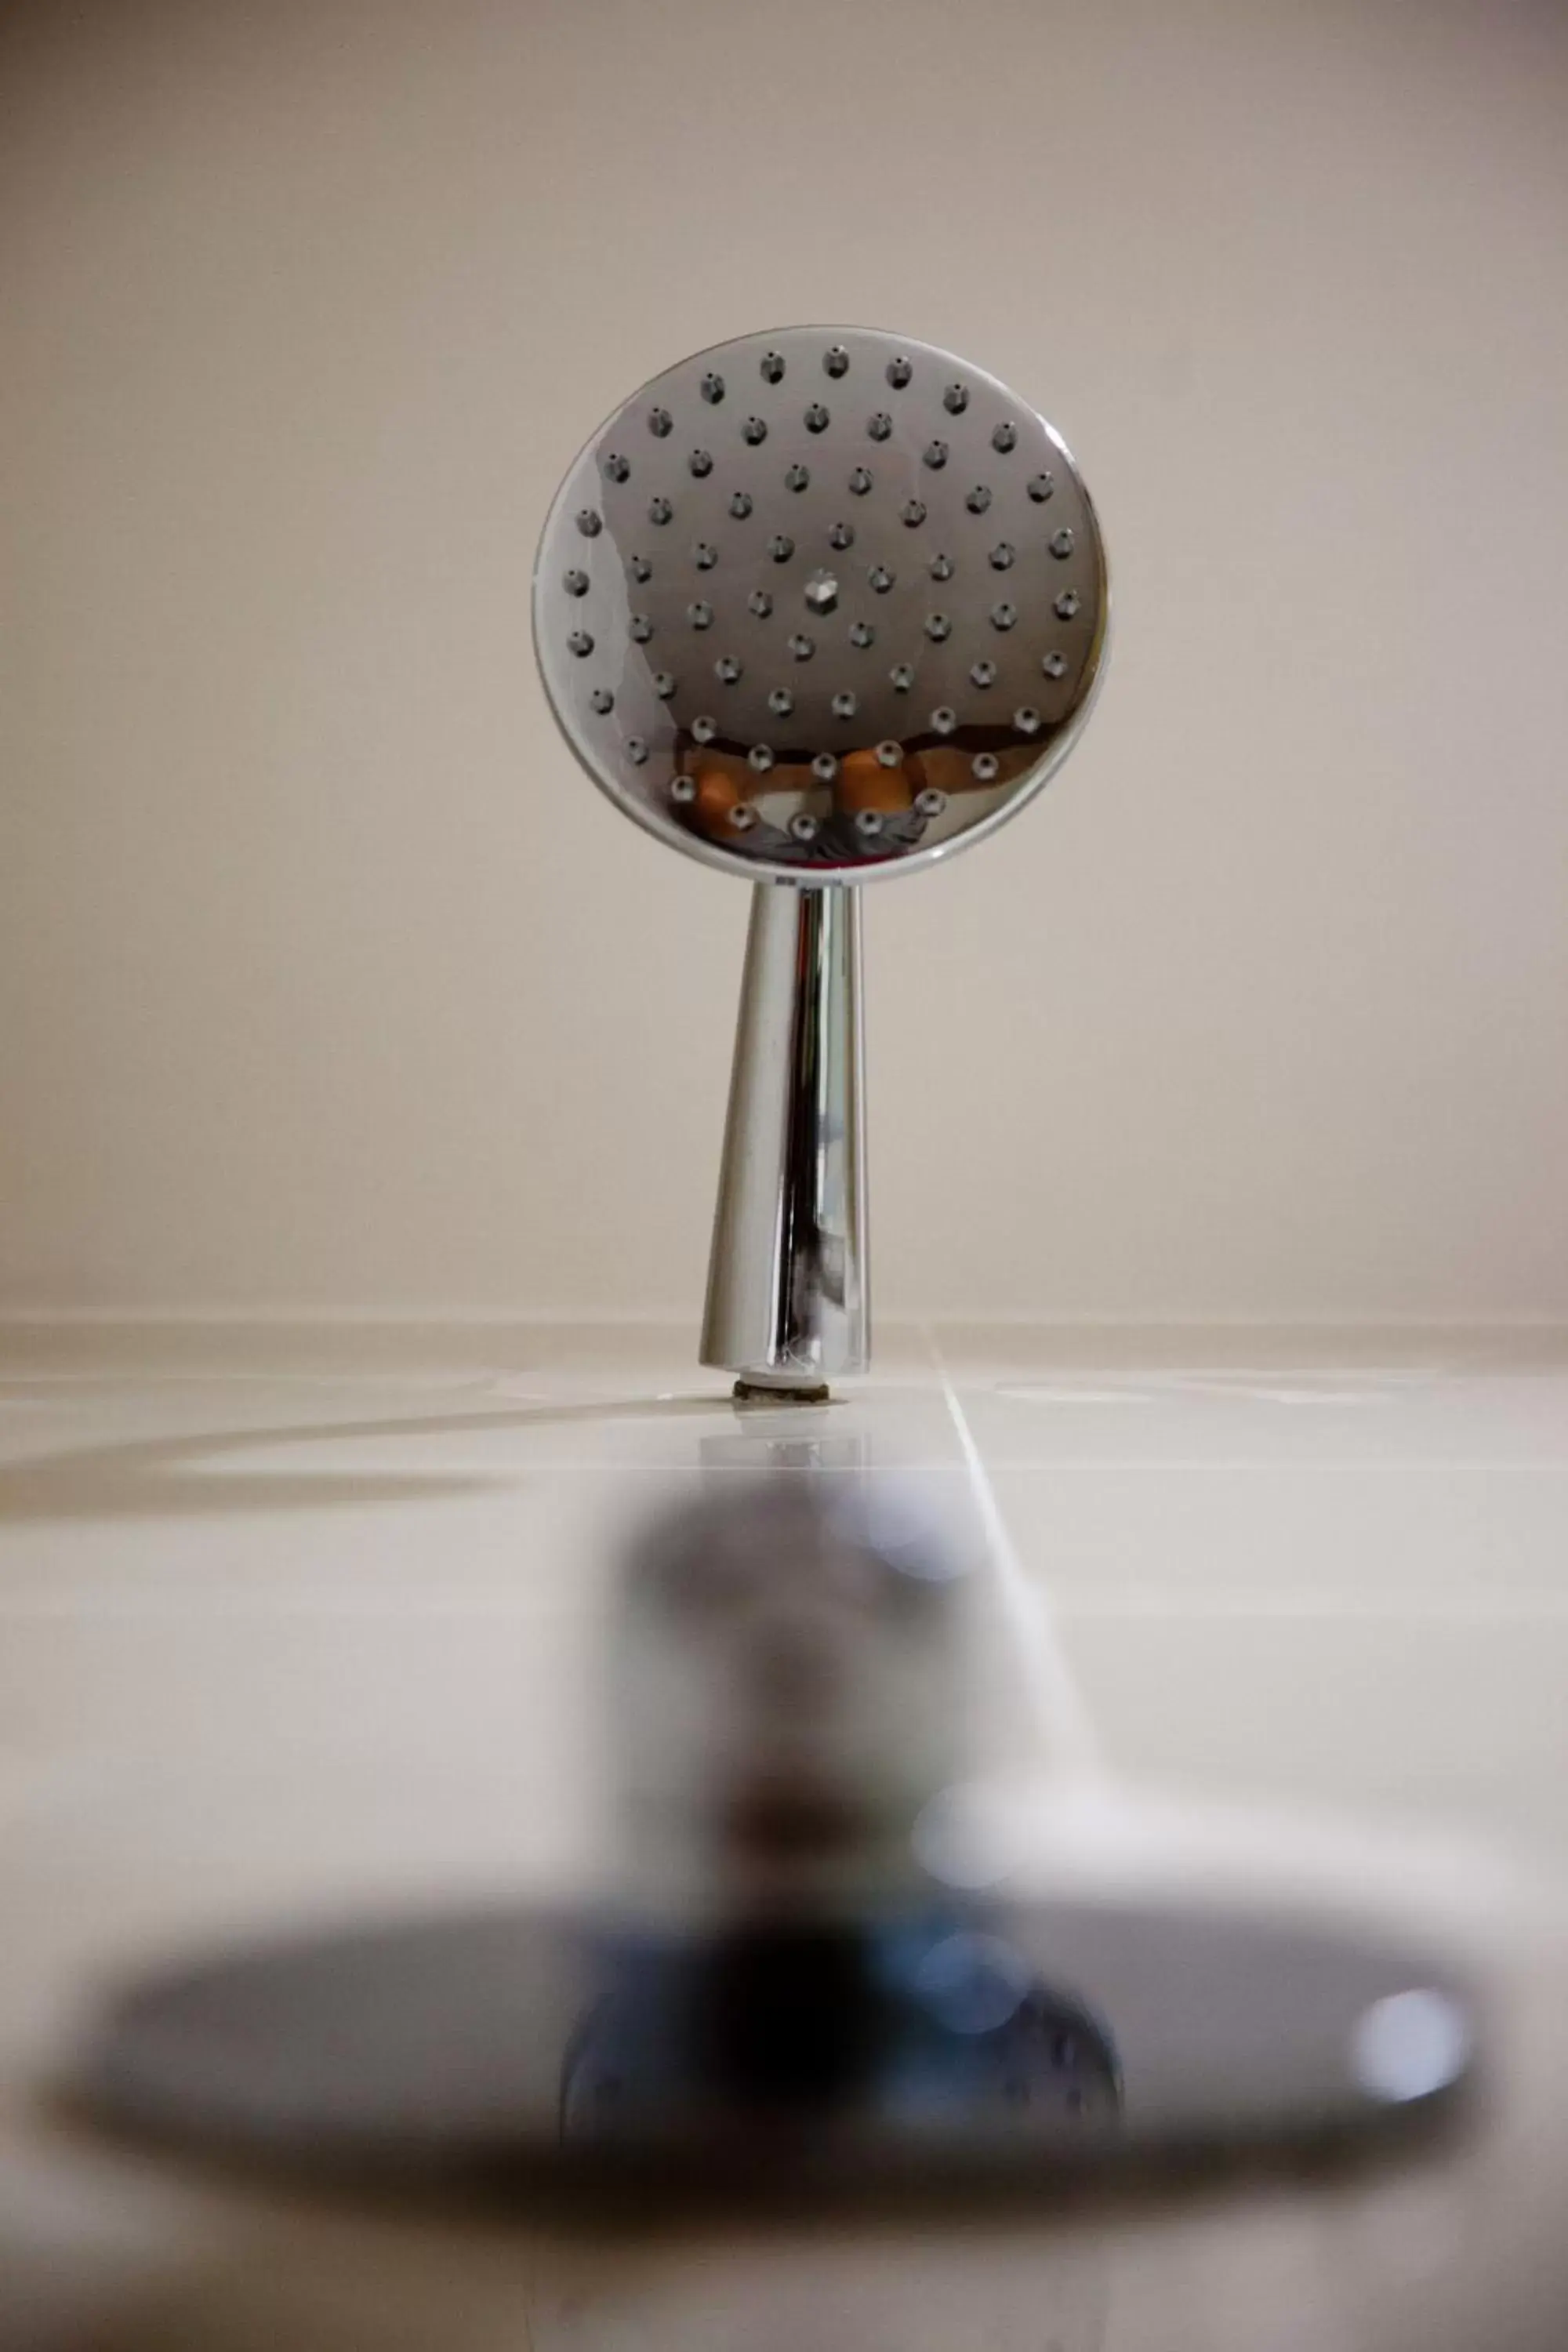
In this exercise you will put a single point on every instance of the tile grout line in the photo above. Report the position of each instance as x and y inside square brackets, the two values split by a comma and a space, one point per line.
[1233, 1604]
[1056, 1700]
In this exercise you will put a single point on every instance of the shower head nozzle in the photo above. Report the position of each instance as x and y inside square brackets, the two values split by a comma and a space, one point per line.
[782, 554]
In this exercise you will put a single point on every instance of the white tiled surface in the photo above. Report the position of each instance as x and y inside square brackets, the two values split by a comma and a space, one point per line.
[299, 1624]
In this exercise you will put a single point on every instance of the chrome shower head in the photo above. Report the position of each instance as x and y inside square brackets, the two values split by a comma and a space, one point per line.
[820, 604]
[815, 606]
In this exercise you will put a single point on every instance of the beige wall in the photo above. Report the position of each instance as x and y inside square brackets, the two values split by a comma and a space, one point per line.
[324, 979]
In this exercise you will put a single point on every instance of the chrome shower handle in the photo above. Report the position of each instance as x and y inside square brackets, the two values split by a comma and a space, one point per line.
[788, 1305]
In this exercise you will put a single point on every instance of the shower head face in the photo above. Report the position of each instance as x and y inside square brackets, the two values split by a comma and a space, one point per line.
[822, 605]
